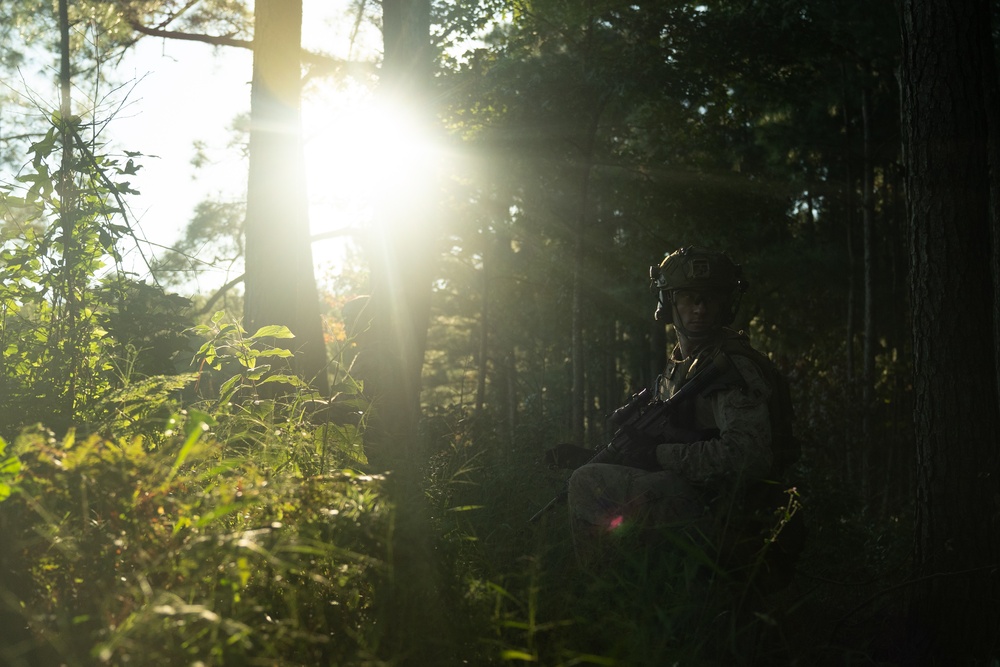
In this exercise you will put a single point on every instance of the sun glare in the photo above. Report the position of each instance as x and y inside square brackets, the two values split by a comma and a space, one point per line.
[357, 152]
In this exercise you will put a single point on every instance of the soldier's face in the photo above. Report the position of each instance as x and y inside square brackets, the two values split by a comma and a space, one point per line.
[699, 311]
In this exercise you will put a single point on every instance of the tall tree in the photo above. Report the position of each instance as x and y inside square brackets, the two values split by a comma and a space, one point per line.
[400, 250]
[950, 123]
[280, 283]
[401, 244]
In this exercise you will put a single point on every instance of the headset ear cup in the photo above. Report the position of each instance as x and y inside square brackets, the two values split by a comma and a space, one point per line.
[661, 308]
[734, 304]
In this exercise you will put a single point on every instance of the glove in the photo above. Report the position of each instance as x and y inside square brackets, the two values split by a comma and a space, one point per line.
[640, 455]
[567, 455]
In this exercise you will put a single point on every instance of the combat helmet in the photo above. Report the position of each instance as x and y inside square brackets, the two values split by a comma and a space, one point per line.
[697, 268]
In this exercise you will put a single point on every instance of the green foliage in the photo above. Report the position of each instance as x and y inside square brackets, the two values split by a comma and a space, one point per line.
[70, 328]
[180, 552]
[254, 400]
[230, 345]
[233, 530]
[10, 466]
[166, 517]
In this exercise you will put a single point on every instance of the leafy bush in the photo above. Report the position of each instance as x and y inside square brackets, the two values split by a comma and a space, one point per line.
[72, 321]
[161, 518]
[177, 553]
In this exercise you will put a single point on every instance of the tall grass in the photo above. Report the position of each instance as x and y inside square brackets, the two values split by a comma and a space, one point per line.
[228, 533]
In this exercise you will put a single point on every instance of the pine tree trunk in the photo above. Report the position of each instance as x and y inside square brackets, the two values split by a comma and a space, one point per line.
[67, 216]
[484, 329]
[280, 283]
[868, 350]
[850, 443]
[947, 64]
[400, 251]
[577, 356]
[400, 248]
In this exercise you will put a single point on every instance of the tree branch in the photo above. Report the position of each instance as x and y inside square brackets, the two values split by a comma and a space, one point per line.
[214, 40]
[320, 63]
[219, 294]
[334, 233]
[238, 279]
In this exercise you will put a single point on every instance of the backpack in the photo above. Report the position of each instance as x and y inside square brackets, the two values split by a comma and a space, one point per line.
[771, 569]
[786, 448]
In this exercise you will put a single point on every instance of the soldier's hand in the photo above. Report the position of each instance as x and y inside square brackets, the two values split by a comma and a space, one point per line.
[567, 455]
[640, 455]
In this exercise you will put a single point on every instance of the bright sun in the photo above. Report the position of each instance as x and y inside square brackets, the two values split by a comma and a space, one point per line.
[356, 150]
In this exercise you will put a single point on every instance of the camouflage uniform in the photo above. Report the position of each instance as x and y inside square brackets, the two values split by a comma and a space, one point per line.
[715, 443]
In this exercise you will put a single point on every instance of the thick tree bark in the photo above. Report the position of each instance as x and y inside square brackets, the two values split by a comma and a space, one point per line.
[946, 73]
[280, 283]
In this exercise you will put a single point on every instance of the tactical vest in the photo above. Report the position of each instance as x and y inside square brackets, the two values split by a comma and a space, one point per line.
[694, 420]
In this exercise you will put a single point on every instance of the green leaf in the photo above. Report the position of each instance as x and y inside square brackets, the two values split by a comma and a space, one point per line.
[258, 372]
[228, 387]
[293, 380]
[512, 654]
[196, 419]
[217, 513]
[273, 331]
[276, 352]
[194, 428]
[465, 508]
[10, 466]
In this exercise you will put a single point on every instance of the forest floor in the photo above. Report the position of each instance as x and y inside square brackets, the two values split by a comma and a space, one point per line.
[842, 606]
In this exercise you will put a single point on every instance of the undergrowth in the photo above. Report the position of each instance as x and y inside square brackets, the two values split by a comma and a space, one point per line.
[179, 545]
[661, 599]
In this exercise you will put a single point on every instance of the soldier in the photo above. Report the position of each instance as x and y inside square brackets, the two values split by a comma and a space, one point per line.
[716, 442]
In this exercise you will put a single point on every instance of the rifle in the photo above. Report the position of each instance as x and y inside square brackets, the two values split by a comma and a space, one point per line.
[644, 417]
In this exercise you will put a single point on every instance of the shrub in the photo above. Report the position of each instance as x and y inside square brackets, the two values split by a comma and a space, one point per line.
[167, 555]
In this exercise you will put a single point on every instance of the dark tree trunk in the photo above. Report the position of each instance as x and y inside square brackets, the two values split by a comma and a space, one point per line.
[868, 349]
[401, 246]
[578, 315]
[850, 432]
[67, 214]
[400, 251]
[280, 283]
[484, 329]
[947, 76]
[578, 386]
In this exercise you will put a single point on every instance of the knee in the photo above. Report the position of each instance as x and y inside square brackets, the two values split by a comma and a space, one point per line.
[583, 482]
